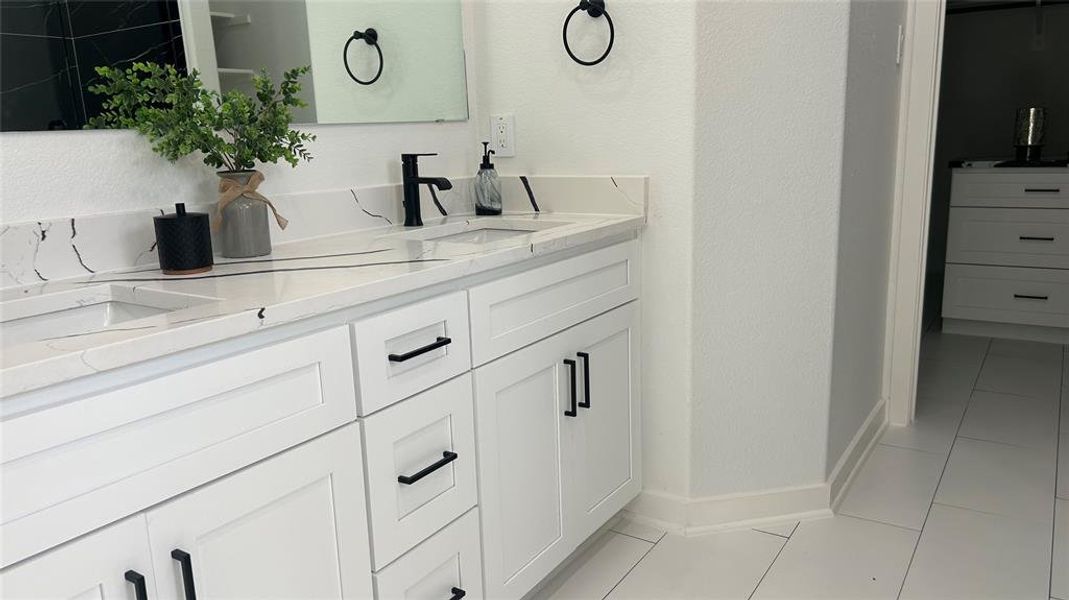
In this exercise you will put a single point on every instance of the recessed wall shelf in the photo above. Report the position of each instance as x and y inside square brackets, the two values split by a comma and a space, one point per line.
[229, 19]
[236, 72]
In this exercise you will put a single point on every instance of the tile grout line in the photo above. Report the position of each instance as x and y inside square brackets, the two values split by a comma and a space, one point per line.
[1057, 457]
[770, 565]
[635, 537]
[961, 420]
[637, 563]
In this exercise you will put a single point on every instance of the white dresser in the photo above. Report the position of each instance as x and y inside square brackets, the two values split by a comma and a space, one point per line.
[1007, 269]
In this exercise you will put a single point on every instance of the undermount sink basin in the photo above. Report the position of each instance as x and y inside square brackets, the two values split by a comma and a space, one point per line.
[75, 312]
[478, 231]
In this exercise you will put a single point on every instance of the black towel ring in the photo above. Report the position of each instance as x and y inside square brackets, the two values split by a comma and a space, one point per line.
[594, 8]
[371, 37]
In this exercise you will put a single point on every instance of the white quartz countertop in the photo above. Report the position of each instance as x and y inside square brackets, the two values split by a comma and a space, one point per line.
[298, 280]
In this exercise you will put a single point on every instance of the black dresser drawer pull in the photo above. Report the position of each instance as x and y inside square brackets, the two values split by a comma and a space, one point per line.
[457, 594]
[573, 411]
[447, 457]
[1035, 238]
[140, 591]
[1042, 190]
[186, 562]
[436, 344]
[1031, 297]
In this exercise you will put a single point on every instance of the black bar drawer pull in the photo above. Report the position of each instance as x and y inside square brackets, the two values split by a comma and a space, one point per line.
[573, 410]
[184, 559]
[1031, 297]
[436, 344]
[457, 594]
[1042, 190]
[1035, 238]
[140, 591]
[586, 379]
[447, 457]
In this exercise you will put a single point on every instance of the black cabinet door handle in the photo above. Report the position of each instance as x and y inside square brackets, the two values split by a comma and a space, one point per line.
[586, 379]
[1042, 190]
[436, 344]
[140, 591]
[573, 410]
[447, 457]
[457, 594]
[1035, 238]
[1031, 297]
[186, 562]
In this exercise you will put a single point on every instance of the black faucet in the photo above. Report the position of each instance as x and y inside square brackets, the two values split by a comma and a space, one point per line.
[411, 181]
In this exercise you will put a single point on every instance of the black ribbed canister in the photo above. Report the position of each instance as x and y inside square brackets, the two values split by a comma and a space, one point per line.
[184, 242]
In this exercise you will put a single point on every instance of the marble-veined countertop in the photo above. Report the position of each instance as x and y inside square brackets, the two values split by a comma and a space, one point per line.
[297, 281]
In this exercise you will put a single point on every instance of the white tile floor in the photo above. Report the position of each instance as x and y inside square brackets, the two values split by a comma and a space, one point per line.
[971, 501]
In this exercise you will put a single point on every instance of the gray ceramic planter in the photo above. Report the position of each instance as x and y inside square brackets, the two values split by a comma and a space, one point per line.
[246, 229]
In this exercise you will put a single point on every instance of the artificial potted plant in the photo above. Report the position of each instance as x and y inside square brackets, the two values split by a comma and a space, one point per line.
[233, 131]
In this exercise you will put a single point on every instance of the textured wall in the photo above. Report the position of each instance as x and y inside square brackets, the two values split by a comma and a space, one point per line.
[634, 113]
[865, 219]
[769, 151]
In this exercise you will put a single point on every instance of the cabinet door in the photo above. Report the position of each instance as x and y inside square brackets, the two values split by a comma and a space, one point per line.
[103, 564]
[293, 526]
[519, 402]
[604, 460]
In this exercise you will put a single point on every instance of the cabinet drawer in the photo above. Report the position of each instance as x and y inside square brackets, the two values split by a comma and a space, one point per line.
[1021, 237]
[430, 441]
[408, 350]
[438, 569]
[1007, 295]
[292, 526]
[75, 466]
[513, 312]
[1040, 188]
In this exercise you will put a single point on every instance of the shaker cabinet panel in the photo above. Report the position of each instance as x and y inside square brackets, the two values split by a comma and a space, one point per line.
[420, 457]
[446, 565]
[605, 451]
[293, 526]
[109, 564]
[558, 431]
[522, 490]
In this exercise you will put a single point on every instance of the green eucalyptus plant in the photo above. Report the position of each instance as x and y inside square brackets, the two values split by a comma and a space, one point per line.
[180, 116]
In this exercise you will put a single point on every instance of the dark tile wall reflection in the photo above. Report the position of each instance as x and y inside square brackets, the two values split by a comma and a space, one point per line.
[50, 48]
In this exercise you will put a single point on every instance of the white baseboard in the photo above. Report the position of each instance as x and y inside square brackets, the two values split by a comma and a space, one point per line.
[697, 516]
[856, 453]
[1011, 331]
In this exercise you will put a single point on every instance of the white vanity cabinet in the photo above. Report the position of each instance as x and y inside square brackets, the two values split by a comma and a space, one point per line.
[111, 564]
[557, 457]
[360, 456]
[293, 526]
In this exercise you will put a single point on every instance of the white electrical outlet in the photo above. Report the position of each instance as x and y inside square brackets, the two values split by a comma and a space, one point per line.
[503, 135]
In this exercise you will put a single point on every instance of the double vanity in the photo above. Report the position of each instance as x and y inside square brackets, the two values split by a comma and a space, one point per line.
[437, 412]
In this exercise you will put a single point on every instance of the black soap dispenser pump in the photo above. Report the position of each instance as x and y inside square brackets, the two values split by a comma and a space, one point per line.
[487, 186]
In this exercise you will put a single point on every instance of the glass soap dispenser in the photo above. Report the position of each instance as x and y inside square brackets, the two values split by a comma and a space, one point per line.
[487, 186]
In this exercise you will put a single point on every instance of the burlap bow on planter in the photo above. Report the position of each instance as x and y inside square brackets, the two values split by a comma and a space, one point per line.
[241, 215]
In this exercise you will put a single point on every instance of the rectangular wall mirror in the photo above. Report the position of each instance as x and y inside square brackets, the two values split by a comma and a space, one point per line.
[50, 48]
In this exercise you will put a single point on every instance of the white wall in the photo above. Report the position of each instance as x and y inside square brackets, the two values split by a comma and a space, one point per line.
[865, 219]
[634, 113]
[770, 134]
